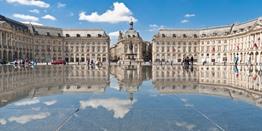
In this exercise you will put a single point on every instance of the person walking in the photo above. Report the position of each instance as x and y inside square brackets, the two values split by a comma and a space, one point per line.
[192, 60]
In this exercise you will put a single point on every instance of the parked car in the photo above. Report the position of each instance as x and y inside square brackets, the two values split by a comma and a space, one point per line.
[58, 62]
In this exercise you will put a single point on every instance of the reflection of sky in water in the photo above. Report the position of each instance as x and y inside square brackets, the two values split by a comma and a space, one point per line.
[114, 110]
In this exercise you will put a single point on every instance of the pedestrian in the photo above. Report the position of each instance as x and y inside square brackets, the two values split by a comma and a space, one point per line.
[192, 60]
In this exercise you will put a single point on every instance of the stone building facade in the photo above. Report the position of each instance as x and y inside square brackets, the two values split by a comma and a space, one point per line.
[45, 44]
[130, 48]
[214, 45]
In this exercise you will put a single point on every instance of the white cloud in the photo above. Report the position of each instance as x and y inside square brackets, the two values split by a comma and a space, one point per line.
[2, 121]
[183, 99]
[185, 125]
[33, 23]
[49, 103]
[114, 37]
[114, 84]
[26, 17]
[36, 108]
[189, 15]
[184, 21]
[60, 5]
[119, 13]
[49, 17]
[119, 107]
[27, 102]
[27, 118]
[114, 34]
[34, 11]
[38, 3]
[154, 27]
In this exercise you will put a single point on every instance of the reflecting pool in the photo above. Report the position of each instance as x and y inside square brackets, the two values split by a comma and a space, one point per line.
[123, 98]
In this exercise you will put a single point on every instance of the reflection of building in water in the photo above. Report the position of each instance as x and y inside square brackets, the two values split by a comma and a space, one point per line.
[166, 78]
[131, 76]
[46, 80]
[235, 82]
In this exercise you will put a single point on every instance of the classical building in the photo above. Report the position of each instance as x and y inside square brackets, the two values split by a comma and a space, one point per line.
[214, 45]
[130, 48]
[44, 44]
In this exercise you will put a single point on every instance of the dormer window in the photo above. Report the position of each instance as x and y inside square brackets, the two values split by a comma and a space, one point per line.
[47, 33]
[195, 36]
[59, 35]
[88, 35]
[174, 35]
[235, 31]
[67, 35]
[99, 35]
[184, 36]
[134, 36]
[242, 29]
[128, 36]
[77, 35]
[163, 35]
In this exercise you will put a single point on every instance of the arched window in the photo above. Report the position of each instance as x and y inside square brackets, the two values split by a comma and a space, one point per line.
[195, 36]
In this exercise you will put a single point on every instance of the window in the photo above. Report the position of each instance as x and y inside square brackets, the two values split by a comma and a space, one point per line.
[47, 33]
[195, 36]
[88, 35]
[67, 35]
[77, 35]
[99, 35]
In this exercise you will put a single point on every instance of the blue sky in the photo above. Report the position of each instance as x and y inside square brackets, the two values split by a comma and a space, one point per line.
[150, 15]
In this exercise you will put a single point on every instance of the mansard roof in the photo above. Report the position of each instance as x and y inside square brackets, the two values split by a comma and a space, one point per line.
[212, 31]
[14, 24]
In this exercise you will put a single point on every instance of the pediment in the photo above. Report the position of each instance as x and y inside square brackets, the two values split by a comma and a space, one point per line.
[5, 25]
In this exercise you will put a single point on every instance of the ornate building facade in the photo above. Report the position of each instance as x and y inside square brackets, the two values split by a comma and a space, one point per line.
[130, 48]
[44, 44]
[214, 45]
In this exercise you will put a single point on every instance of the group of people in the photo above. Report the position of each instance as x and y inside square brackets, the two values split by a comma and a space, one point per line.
[23, 62]
[92, 63]
[188, 61]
